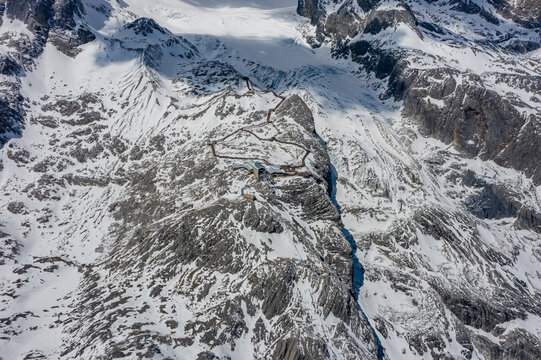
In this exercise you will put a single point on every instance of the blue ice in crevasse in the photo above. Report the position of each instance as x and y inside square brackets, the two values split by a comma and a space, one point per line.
[358, 269]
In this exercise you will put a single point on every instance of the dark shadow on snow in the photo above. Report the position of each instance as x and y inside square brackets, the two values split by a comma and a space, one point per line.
[358, 269]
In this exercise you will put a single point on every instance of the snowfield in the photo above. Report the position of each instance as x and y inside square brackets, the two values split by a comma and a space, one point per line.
[125, 233]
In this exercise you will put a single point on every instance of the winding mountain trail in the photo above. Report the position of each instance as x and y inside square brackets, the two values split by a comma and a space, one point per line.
[290, 167]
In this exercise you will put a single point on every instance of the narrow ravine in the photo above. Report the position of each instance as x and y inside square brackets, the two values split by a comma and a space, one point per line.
[358, 269]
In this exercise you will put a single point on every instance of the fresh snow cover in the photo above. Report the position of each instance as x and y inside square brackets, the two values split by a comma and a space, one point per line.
[364, 136]
[244, 19]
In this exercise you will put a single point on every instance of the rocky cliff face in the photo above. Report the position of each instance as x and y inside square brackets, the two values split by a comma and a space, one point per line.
[464, 110]
[403, 223]
[525, 12]
[205, 271]
[466, 107]
[29, 26]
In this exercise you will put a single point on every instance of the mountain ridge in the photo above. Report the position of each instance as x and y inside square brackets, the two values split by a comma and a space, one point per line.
[406, 232]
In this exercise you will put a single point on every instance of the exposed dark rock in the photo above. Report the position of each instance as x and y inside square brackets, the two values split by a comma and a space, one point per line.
[380, 20]
[19, 156]
[304, 349]
[491, 201]
[311, 198]
[17, 207]
[11, 120]
[517, 345]
[528, 219]
[477, 313]
[346, 23]
[339, 25]
[54, 19]
[9, 67]
[179, 238]
[368, 5]
[311, 9]
[275, 289]
[476, 120]
[145, 27]
[525, 12]
[51, 21]
[495, 201]
[260, 219]
[382, 63]
[520, 151]
[470, 7]
[435, 28]
[293, 107]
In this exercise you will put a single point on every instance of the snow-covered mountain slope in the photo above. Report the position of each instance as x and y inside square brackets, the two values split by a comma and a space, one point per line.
[405, 222]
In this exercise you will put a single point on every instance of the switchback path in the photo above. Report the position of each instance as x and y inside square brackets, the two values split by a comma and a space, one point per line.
[247, 128]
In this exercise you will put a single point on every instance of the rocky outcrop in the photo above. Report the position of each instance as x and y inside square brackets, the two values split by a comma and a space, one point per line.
[467, 114]
[250, 272]
[476, 120]
[525, 12]
[346, 23]
[517, 344]
[11, 116]
[465, 276]
[145, 27]
[528, 219]
[312, 9]
[54, 21]
[131, 226]
[49, 21]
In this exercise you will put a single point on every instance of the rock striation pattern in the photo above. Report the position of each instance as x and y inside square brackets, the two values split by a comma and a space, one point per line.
[205, 273]
[440, 250]
[36, 24]
[409, 230]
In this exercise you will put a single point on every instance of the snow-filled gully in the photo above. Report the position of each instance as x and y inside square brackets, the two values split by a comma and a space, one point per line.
[358, 269]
